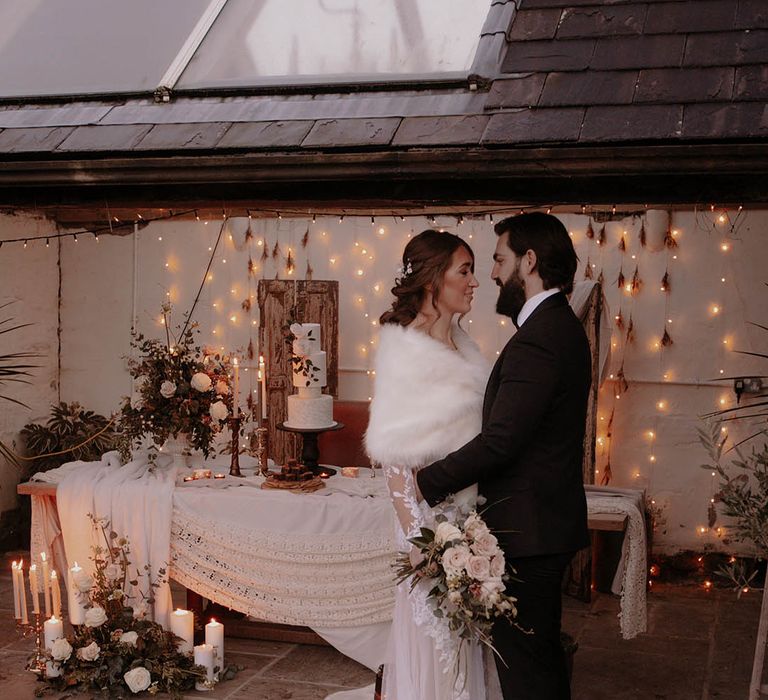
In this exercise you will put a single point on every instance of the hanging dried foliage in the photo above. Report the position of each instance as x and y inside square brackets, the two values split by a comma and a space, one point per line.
[276, 250]
[251, 267]
[601, 278]
[305, 239]
[601, 236]
[621, 281]
[251, 352]
[248, 232]
[669, 239]
[665, 282]
[642, 234]
[622, 244]
[622, 385]
[264, 253]
[246, 304]
[290, 263]
[588, 270]
[666, 339]
[309, 272]
[590, 231]
[631, 330]
[607, 474]
[637, 283]
[619, 321]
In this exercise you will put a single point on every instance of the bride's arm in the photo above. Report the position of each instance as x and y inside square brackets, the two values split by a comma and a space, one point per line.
[402, 491]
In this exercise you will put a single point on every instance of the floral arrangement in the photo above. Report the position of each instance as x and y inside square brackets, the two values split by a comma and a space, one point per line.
[300, 341]
[182, 390]
[118, 649]
[466, 572]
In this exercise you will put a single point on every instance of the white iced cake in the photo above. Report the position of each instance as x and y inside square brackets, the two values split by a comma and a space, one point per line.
[309, 408]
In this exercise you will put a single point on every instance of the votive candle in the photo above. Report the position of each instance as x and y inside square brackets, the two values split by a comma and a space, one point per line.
[204, 657]
[182, 625]
[55, 594]
[76, 606]
[214, 636]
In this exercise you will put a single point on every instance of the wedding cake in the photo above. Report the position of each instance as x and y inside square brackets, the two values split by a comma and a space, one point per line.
[309, 408]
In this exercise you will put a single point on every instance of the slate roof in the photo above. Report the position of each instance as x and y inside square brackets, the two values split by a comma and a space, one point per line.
[566, 74]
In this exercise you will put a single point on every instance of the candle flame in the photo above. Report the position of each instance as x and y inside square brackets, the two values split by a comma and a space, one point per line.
[14, 565]
[234, 361]
[33, 567]
[213, 619]
[42, 556]
[54, 574]
[21, 563]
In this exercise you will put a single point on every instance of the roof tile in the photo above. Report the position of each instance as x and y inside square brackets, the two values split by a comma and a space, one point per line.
[440, 130]
[725, 121]
[534, 126]
[692, 16]
[590, 87]
[172, 136]
[266, 134]
[632, 123]
[548, 55]
[518, 91]
[677, 85]
[32, 139]
[656, 51]
[104, 138]
[351, 132]
[536, 24]
[727, 48]
[601, 20]
[751, 83]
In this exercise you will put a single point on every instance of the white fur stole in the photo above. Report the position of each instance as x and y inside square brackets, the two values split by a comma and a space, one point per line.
[427, 398]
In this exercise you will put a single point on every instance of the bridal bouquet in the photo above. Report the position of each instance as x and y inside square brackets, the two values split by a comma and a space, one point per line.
[465, 569]
[182, 390]
[117, 651]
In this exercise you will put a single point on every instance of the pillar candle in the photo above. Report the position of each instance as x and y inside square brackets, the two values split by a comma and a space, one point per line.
[34, 589]
[53, 630]
[16, 597]
[204, 657]
[183, 625]
[74, 598]
[22, 595]
[55, 594]
[236, 389]
[263, 375]
[214, 636]
[46, 584]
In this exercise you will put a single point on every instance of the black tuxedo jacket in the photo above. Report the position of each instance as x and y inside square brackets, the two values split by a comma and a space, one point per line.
[527, 461]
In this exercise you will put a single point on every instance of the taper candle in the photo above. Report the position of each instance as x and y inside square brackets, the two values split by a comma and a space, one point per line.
[23, 595]
[46, 584]
[34, 589]
[263, 389]
[75, 598]
[55, 594]
[16, 596]
[236, 389]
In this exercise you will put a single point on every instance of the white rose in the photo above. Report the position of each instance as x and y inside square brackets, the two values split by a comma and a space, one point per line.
[89, 653]
[490, 590]
[479, 568]
[485, 545]
[167, 389]
[446, 532]
[222, 388]
[474, 526]
[201, 381]
[95, 616]
[82, 580]
[129, 638]
[137, 679]
[61, 649]
[140, 610]
[113, 572]
[497, 565]
[454, 559]
[454, 597]
[218, 410]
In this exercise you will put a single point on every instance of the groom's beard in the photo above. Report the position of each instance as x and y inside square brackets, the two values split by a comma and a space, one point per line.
[511, 296]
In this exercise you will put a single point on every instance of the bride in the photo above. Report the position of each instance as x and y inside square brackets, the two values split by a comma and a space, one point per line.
[429, 385]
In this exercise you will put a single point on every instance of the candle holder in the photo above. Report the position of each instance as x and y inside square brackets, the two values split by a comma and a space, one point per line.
[261, 450]
[234, 465]
[36, 662]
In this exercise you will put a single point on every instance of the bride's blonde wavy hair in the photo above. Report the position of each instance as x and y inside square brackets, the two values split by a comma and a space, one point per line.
[426, 259]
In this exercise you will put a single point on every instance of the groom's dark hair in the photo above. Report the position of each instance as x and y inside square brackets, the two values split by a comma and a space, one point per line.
[545, 235]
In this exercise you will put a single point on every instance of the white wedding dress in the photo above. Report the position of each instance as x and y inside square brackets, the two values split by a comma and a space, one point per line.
[427, 403]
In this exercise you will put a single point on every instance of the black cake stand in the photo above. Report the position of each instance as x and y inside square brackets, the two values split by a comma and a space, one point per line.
[310, 452]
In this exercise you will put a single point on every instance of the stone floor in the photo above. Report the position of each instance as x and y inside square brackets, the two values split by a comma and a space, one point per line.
[699, 646]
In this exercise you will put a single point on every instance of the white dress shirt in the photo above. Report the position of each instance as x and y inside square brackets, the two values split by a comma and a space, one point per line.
[530, 305]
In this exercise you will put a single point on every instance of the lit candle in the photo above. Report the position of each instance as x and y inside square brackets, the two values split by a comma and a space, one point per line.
[46, 584]
[53, 630]
[34, 589]
[236, 390]
[182, 625]
[263, 377]
[16, 598]
[214, 636]
[55, 594]
[204, 657]
[22, 595]
[76, 606]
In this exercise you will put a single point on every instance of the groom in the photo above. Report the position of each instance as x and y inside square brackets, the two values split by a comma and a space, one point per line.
[527, 460]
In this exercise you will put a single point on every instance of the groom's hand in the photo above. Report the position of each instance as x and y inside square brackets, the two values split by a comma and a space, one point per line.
[419, 496]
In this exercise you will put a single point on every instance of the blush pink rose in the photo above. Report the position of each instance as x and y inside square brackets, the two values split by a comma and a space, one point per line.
[479, 568]
[485, 545]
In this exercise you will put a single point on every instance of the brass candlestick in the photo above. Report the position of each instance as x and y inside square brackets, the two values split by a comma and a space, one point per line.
[262, 456]
[234, 466]
[36, 662]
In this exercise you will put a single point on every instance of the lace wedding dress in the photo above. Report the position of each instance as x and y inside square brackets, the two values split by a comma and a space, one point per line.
[427, 403]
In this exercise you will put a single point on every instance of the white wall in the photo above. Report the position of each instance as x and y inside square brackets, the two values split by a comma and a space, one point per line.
[99, 287]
